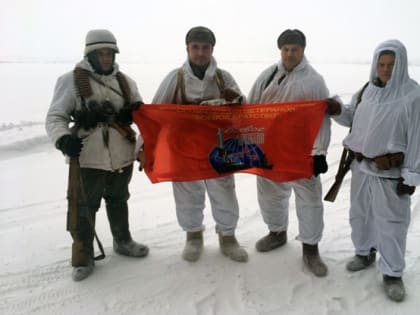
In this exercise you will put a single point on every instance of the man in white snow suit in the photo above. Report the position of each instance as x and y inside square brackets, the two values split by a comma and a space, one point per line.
[385, 139]
[89, 121]
[200, 81]
[293, 79]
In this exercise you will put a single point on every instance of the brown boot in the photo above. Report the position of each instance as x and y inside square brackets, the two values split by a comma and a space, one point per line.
[271, 241]
[394, 288]
[193, 246]
[313, 261]
[230, 247]
[360, 262]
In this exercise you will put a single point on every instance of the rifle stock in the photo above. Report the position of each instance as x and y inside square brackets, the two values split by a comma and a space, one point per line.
[72, 207]
[332, 193]
[347, 158]
[74, 174]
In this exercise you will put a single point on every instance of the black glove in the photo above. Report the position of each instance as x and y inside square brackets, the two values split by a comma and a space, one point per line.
[70, 145]
[404, 189]
[320, 164]
[230, 95]
[333, 107]
[125, 115]
[136, 105]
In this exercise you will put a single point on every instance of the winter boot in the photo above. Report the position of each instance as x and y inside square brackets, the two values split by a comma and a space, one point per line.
[360, 262]
[130, 248]
[82, 272]
[230, 247]
[394, 288]
[193, 246]
[271, 241]
[117, 211]
[313, 261]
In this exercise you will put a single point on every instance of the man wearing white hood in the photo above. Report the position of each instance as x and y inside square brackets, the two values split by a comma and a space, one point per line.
[385, 138]
[99, 100]
[200, 81]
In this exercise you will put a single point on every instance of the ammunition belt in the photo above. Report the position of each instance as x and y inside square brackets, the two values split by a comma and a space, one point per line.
[383, 162]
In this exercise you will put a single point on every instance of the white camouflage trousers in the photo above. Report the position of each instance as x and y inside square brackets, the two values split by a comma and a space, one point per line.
[379, 218]
[273, 198]
[190, 204]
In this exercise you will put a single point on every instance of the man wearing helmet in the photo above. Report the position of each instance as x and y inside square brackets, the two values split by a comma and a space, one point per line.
[99, 100]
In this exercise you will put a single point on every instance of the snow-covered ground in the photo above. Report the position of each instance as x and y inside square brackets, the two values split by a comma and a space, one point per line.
[35, 272]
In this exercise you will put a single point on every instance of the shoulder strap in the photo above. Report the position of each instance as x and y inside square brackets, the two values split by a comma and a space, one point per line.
[180, 87]
[124, 86]
[359, 97]
[219, 80]
[271, 77]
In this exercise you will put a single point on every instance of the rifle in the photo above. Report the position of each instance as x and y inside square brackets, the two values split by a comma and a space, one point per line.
[73, 189]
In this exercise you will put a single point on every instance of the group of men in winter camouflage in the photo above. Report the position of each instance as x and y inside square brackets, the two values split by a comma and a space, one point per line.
[89, 121]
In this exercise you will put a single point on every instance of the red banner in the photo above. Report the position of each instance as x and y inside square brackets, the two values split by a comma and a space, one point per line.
[191, 142]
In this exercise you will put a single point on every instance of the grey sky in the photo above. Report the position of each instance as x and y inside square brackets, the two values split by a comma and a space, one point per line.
[246, 30]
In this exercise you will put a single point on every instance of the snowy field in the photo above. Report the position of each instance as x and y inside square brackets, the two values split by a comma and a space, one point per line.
[35, 272]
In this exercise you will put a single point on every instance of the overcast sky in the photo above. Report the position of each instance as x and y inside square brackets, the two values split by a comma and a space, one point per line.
[246, 30]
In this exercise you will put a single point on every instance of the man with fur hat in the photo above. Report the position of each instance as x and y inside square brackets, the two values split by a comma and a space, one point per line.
[293, 79]
[97, 100]
[200, 81]
[385, 139]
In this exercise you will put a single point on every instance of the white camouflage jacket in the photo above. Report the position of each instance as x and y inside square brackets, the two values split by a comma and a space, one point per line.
[303, 83]
[196, 90]
[387, 119]
[95, 154]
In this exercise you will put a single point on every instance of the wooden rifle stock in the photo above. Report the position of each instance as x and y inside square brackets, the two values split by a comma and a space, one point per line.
[347, 158]
[72, 186]
[73, 190]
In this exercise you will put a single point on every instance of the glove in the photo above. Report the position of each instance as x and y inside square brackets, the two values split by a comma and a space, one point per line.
[70, 145]
[125, 115]
[333, 107]
[320, 164]
[404, 189]
[136, 105]
[230, 95]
